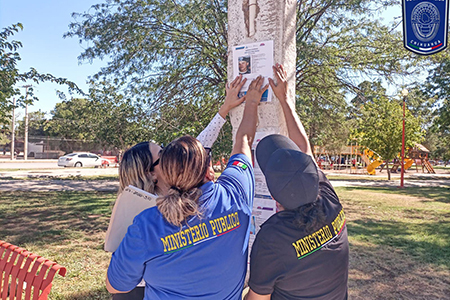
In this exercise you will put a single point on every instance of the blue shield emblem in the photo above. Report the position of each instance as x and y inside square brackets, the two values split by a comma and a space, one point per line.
[425, 25]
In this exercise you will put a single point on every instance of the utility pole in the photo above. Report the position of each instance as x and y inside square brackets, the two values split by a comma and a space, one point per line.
[25, 143]
[402, 175]
[13, 130]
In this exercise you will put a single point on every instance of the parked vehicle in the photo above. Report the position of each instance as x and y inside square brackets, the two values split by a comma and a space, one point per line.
[81, 159]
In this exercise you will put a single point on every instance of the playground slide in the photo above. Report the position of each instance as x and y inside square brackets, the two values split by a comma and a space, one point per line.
[408, 163]
[371, 168]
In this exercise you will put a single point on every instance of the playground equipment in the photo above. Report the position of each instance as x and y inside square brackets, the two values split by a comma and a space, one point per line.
[371, 165]
[408, 163]
[352, 157]
[420, 154]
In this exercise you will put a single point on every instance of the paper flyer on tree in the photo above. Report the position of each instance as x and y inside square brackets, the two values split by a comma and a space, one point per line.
[263, 204]
[252, 60]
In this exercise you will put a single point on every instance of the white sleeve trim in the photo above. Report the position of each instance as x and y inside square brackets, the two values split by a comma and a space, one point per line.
[209, 135]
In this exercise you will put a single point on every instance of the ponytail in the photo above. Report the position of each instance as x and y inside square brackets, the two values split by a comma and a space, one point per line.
[184, 164]
[177, 205]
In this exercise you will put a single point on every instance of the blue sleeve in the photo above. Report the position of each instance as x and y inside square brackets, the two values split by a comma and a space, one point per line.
[238, 178]
[127, 265]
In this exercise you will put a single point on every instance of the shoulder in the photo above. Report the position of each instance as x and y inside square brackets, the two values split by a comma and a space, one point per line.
[149, 216]
[239, 160]
[239, 171]
[271, 228]
[326, 190]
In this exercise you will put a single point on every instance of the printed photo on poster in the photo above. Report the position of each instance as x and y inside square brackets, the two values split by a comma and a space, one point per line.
[244, 65]
[252, 60]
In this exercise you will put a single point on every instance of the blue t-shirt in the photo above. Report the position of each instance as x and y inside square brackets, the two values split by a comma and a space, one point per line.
[206, 258]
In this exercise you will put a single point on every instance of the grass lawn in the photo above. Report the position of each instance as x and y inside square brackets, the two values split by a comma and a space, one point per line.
[67, 227]
[399, 239]
[399, 242]
[70, 177]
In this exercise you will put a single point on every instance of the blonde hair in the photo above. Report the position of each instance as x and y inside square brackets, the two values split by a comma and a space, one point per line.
[135, 168]
[184, 164]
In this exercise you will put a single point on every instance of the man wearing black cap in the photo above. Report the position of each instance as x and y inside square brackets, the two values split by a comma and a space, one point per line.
[301, 252]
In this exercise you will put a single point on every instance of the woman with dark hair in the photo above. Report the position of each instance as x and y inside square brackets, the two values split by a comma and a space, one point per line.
[140, 166]
[302, 251]
[194, 243]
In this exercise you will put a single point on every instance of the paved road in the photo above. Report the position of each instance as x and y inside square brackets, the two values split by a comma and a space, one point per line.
[31, 164]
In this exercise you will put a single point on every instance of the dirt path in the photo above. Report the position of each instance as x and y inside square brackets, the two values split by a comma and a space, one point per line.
[112, 185]
[59, 185]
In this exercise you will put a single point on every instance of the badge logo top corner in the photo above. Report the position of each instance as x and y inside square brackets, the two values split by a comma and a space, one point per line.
[425, 25]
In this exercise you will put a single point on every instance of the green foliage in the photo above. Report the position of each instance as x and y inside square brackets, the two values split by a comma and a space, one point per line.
[379, 127]
[71, 120]
[37, 124]
[172, 57]
[4, 139]
[10, 76]
[115, 120]
[437, 88]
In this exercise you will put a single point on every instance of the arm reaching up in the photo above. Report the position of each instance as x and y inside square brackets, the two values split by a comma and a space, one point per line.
[295, 127]
[246, 131]
[209, 135]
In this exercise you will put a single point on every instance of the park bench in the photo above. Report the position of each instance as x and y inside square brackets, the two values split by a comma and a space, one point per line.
[24, 275]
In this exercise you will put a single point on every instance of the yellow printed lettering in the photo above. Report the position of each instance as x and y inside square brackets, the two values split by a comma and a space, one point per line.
[175, 241]
[328, 233]
[186, 232]
[237, 218]
[194, 238]
[197, 233]
[165, 244]
[304, 246]
[224, 224]
[183, 239]
[204, 229]
[213, 227]
[227, 222]
[218, 225]
[311, 242]
[297, 248]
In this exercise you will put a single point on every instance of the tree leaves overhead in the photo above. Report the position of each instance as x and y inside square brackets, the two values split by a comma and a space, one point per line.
[163, 51]
[172, 56]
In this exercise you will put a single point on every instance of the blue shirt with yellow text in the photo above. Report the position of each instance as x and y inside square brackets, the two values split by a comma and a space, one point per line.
[206, 258]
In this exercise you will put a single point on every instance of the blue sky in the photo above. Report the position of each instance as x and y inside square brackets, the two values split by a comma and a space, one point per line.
[45, 22]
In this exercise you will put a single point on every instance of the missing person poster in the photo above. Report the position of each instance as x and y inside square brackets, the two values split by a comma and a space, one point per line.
[252, 60]
[263, 204]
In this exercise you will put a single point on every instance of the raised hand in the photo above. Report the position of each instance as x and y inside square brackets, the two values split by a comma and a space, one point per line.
[231, 99]
[255, 90]
[280, 89]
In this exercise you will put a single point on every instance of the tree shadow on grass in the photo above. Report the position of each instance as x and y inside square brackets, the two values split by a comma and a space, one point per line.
[96, 294]
[385, 272]
[424, 242]
[47, 218]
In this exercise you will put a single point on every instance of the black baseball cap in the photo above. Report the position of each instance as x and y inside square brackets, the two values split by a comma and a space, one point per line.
[291, 175]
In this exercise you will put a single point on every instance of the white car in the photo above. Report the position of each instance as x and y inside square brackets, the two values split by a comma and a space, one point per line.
[81, 159]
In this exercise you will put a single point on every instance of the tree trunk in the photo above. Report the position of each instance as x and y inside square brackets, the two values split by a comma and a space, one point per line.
[389, 172]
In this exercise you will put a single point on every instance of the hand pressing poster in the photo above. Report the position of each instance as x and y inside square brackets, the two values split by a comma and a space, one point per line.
[252, 60]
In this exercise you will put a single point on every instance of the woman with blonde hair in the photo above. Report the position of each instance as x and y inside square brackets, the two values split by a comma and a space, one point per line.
[194, 243]
[140, 167]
